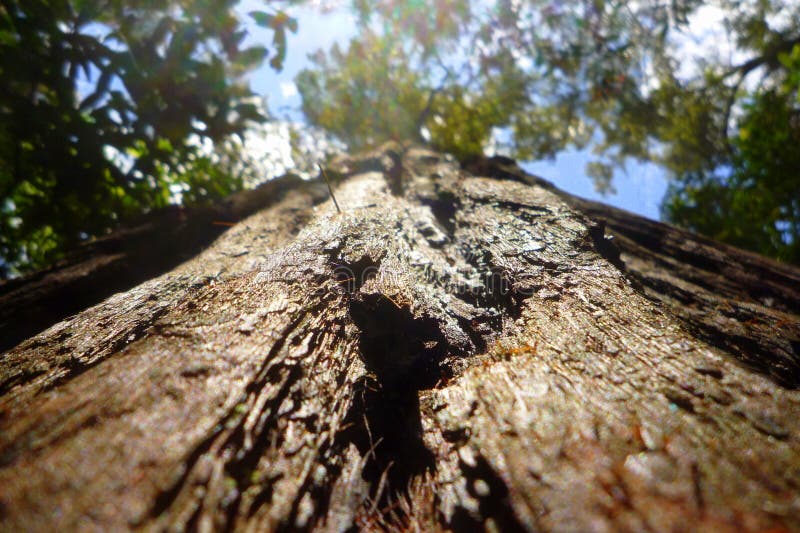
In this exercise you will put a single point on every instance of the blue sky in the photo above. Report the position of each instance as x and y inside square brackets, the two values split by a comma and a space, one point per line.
[640, 189]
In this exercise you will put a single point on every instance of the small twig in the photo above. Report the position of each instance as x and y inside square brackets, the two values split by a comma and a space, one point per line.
[397, 305]
[381, 487]
[330, 189]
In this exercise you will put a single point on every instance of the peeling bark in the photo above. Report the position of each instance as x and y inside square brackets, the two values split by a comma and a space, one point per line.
[459, 348]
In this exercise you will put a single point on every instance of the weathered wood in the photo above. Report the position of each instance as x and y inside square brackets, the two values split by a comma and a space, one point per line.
[456, 349]
[142, 249]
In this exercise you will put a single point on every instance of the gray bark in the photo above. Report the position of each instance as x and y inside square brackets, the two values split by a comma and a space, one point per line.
[458, 349]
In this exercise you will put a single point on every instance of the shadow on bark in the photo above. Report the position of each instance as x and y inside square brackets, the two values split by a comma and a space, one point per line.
[404, 355]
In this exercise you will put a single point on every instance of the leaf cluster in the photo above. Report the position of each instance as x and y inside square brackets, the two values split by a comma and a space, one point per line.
[107, 110]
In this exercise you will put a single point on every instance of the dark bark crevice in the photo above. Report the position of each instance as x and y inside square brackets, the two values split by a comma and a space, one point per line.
[384, 423]
[494, 508]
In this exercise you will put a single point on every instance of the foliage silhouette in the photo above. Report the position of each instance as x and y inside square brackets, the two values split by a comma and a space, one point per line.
[105, 108]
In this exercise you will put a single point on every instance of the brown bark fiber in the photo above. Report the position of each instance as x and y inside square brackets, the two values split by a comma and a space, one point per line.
[460, 348]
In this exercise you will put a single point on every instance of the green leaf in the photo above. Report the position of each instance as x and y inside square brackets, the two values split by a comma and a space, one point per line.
[252, 56]
[263, 19]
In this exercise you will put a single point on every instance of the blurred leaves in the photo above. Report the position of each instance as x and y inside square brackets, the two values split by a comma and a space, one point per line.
[107, 107]
[278, 23]
[534, 78]
[754, 200]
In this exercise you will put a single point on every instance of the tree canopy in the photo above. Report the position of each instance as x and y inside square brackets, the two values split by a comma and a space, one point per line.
[105, 107]
[537, 77]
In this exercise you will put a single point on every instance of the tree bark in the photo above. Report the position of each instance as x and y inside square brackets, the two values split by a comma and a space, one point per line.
[142, 249]
[459, 348]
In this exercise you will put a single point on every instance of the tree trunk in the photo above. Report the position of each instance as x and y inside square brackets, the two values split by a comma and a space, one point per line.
[457, 349]
[144, 248]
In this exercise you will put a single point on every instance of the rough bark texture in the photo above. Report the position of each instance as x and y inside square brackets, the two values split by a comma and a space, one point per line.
[458, 349]
[144, 248]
